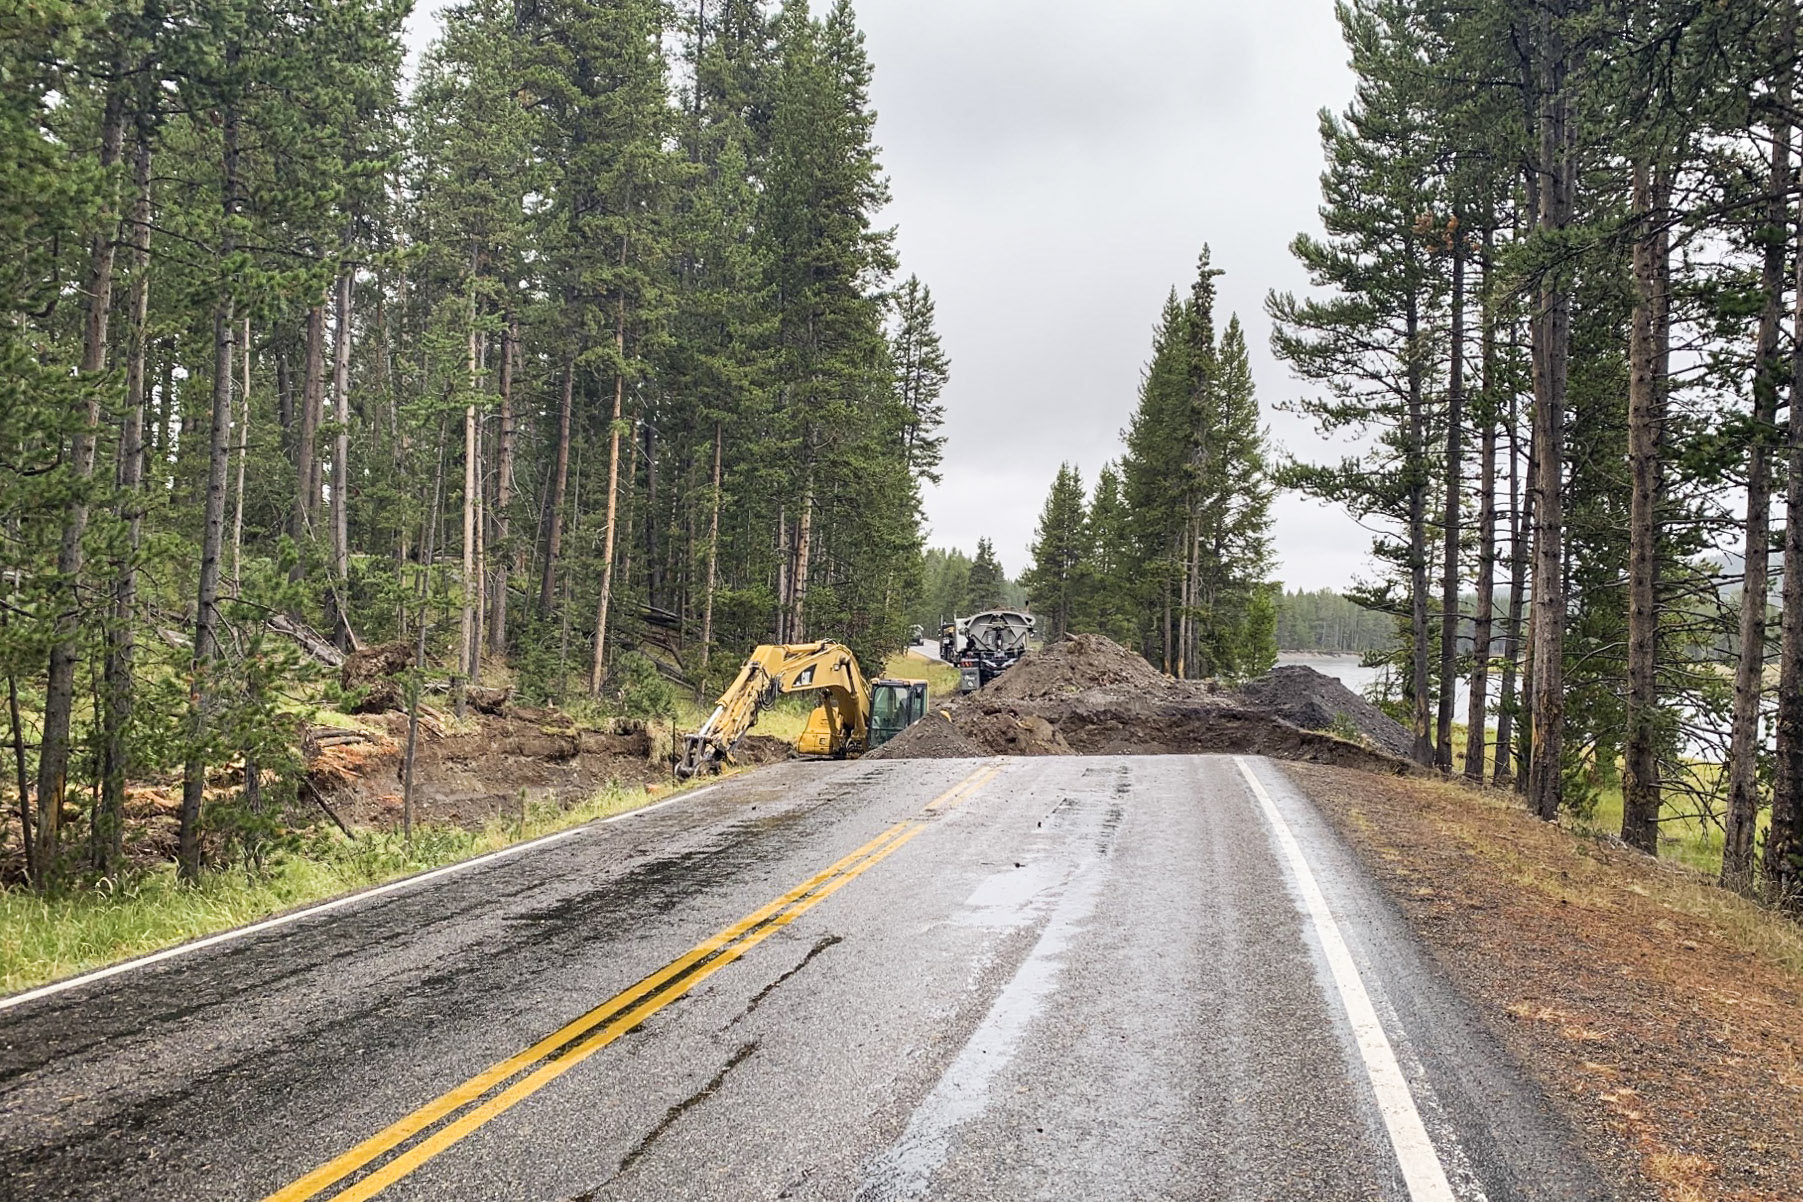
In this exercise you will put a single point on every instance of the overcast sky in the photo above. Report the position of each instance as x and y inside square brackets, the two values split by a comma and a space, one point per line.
[1056, 166]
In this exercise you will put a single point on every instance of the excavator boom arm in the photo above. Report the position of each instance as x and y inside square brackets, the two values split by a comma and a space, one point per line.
[770, 671]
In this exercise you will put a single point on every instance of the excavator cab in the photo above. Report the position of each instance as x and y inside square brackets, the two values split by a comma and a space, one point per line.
[895, 705]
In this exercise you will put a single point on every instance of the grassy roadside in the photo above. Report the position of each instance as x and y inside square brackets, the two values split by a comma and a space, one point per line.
[44, 940]
[1661, 1013]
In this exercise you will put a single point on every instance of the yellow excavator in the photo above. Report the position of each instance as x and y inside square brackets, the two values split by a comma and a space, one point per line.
[853, 716]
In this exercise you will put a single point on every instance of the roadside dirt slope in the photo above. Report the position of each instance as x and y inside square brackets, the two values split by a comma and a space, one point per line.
[485, 767]
[1663, 1014]
[1087, 695]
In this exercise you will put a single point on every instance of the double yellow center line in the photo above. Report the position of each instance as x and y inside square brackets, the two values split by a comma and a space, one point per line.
[482, 1098]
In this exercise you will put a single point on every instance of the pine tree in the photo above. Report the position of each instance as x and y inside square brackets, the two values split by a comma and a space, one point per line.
[1109, 606]
[921, 373]
[1059, 578]
[985, 585]
[1369, 344]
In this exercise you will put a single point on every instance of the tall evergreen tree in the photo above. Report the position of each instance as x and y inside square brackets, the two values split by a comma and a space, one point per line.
[1058, 579]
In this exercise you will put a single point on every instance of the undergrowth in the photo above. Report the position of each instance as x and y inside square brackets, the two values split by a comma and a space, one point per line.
[46, 939]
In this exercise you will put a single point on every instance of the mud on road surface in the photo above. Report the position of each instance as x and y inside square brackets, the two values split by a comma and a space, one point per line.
[1087, 695]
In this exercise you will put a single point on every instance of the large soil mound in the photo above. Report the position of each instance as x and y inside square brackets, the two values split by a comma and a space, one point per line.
[1089, 696]
[1313, 700]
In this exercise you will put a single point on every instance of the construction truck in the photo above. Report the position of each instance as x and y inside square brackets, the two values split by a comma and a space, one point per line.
[853, 716]
[985, 645]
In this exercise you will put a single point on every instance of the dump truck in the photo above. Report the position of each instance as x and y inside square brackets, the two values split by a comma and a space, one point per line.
[985, 645]
[854, 715]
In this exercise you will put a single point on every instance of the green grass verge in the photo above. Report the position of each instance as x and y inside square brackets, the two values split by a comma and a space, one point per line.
[47, 939]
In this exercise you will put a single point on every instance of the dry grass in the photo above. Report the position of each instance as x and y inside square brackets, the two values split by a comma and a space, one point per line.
[1662, 1013]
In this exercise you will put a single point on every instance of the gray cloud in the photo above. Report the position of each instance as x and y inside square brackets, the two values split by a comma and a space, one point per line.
[1056, 167]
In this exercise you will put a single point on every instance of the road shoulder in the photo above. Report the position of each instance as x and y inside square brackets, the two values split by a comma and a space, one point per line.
[1658, 1011]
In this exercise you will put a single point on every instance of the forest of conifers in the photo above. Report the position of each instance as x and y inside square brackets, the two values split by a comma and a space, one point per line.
[1557, 310]
[581, 347]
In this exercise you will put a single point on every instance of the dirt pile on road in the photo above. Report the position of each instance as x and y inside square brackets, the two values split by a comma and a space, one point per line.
[1313, 700]
[1089, 696]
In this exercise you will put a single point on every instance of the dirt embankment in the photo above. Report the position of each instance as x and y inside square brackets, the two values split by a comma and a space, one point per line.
[485, 766]
[1663, 1014]
[1087, 695]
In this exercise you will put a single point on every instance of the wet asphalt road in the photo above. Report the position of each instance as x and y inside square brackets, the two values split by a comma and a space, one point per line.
[1075, 979]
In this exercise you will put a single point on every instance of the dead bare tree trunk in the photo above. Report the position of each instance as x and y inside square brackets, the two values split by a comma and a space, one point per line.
[804, 540]
[1646, 418]
[598, 672]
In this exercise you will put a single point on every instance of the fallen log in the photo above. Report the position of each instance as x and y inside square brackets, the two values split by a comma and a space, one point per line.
[308, 639]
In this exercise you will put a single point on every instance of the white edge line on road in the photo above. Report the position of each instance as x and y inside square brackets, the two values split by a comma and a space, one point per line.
[337, 903]
[1420, 1163]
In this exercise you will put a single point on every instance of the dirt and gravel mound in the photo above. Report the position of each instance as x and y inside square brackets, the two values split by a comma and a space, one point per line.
[1090, 696]
[1313, 700]
[1074, 665]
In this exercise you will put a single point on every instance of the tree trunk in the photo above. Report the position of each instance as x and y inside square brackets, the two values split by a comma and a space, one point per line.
[1418, 659]
[598, 671]
[206, 617]
[65, 606]
[1482, 628]
[341, 464]
[804, 546]
[784, 557]
[497, 621]
[713, 554]
[560, 478]
[1552, 343]
[243, 456]
[1646, 417]
[107, 833]
[1783, 863]
[468, 653]
[429, 552]
[1755, 596]
[306, 450]
[1455, 474]
[1521, 522]
[653, 570]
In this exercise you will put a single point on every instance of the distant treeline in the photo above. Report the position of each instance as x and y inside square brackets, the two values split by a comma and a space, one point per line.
[1327, 622]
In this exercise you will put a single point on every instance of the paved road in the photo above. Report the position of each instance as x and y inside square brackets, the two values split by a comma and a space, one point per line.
[1030, 979]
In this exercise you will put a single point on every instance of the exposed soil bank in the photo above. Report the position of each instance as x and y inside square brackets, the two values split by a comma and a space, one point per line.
[1661, 1013]
[489, 766]
[1089, 696]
